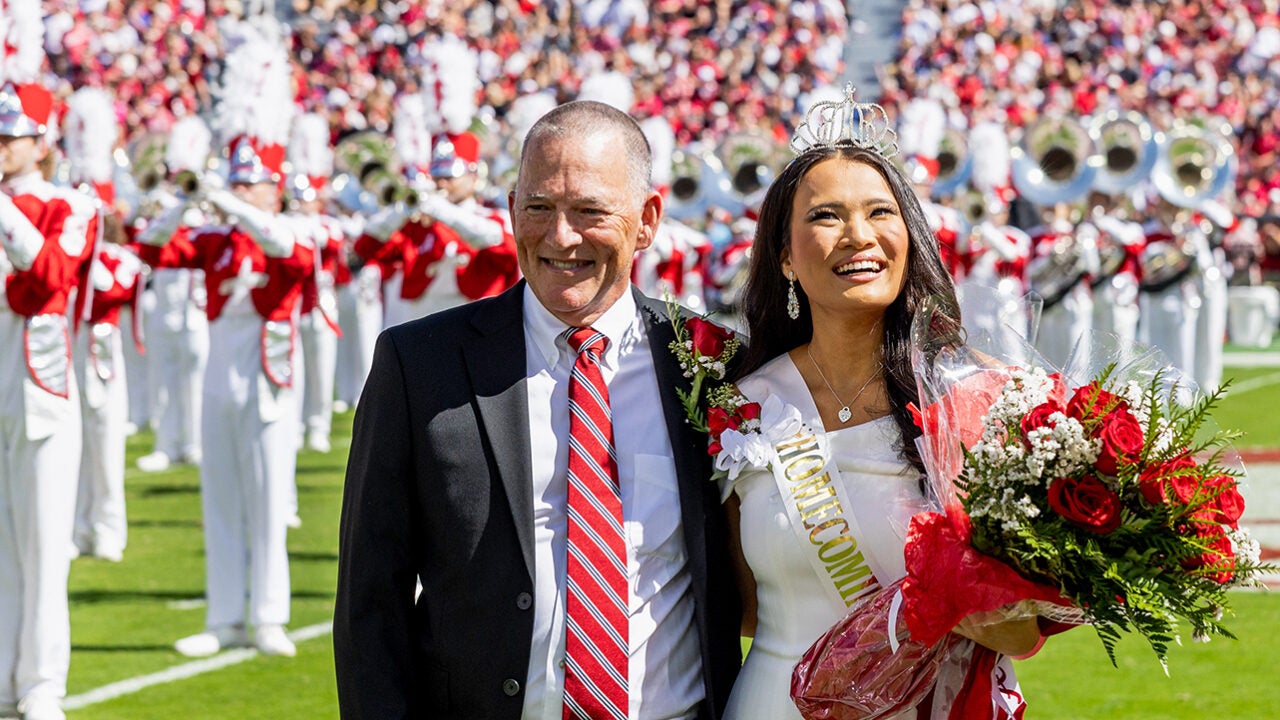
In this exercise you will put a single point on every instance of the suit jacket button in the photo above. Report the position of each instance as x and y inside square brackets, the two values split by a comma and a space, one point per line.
[510, 687]
[524, 601]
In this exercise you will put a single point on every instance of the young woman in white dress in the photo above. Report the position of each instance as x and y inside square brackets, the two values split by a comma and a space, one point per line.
[843, 241]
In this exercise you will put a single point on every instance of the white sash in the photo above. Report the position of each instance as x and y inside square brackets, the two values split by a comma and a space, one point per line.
[821, 516]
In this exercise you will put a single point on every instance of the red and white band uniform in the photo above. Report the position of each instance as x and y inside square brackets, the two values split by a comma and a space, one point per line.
[1115, 306]
[1066, 319]
[360, 308]
[177, 343]
[447, 253]
[318, 327]
[676, 265]
[47, 235]
[1170, 307]
[994, 258]
[101, 528]
[947, 224]
[254, 273]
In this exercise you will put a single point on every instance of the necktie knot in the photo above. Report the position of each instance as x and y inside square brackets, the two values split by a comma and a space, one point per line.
[588, 340]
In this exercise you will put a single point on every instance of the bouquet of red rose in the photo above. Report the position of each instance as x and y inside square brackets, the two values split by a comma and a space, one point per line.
[1107, 498]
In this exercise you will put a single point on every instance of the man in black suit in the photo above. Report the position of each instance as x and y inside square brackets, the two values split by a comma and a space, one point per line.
[457, 472]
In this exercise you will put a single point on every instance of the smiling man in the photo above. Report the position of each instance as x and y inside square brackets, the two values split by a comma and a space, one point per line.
[525, 459]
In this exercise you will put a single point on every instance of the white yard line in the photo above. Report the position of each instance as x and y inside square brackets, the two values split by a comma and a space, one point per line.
[1245, 386]
[183, 671]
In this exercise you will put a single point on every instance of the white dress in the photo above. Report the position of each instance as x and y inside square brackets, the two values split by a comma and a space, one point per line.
[794, 606]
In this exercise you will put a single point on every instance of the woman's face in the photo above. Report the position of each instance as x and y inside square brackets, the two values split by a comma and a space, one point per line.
[849, 240]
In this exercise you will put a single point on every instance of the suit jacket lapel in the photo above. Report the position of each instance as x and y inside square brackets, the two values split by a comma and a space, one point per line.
[689, 447]
[496, 365]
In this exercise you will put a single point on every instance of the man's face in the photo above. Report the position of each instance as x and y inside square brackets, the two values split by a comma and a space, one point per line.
[578, 223]
[19, 155]
[459, 188]
[264, 195]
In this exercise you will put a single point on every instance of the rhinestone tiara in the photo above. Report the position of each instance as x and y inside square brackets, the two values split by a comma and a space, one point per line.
[846, 123]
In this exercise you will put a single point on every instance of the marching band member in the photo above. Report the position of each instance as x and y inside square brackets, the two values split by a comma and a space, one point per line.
[89, 132]
[359, 289]
[451, 248]
[318, 327]
[1168, 299]
[920, 134]
[46, 237]
[675, 264]
[993, 254]
[255, 268]
[1211, 222]
[1064, 256]
[1115, 287]
[178, 325]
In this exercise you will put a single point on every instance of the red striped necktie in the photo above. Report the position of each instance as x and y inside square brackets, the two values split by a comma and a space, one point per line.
[596, 612]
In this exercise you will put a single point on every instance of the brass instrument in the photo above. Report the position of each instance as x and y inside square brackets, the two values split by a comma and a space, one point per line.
[699, 181]
[751, 160]
[1163, 263]
[1126, 144]
[1054, 162]
[1194, 162]
[1053, 276]
[972, 205]
[955, 163]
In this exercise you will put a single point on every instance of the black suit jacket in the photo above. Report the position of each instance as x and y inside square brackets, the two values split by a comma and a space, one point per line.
[438, 487]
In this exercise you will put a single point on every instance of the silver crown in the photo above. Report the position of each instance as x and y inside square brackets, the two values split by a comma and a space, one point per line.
[846, 123]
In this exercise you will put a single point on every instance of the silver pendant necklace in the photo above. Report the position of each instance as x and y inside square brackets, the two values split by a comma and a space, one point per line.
[845, 413]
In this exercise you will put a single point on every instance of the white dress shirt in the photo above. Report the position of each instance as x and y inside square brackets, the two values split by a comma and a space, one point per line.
[665, 669]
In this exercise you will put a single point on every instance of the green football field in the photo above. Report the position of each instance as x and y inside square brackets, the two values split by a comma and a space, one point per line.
[126, 616]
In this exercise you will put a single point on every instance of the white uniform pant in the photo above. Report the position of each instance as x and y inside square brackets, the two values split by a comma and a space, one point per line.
[1168, 322]
[101, 526]
[137, 367]
[1115, 308]
[1211, 328]
[1064, 337]
[178, 353]
[360, 307]
[250, 433]
[319, 365]
[37, 509]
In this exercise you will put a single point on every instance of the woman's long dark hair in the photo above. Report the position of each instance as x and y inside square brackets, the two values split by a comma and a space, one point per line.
[765, 297]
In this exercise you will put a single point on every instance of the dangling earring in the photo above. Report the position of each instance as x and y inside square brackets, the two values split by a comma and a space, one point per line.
[793, 303]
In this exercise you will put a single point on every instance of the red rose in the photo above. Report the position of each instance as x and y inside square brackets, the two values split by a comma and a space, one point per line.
[708, 338]
[1157, 481]
[1086, 502]
[718, 421]
[1227, 502]
[1091, 401]
[1039, 417]
[1217, 558]
[749, 411]
[1122, 439]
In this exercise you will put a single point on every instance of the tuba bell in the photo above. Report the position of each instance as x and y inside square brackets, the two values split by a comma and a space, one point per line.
[698, 182]
[955, 163]
[1055, 162]
[1194, 162]
[751, 160]
[1126, 144]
